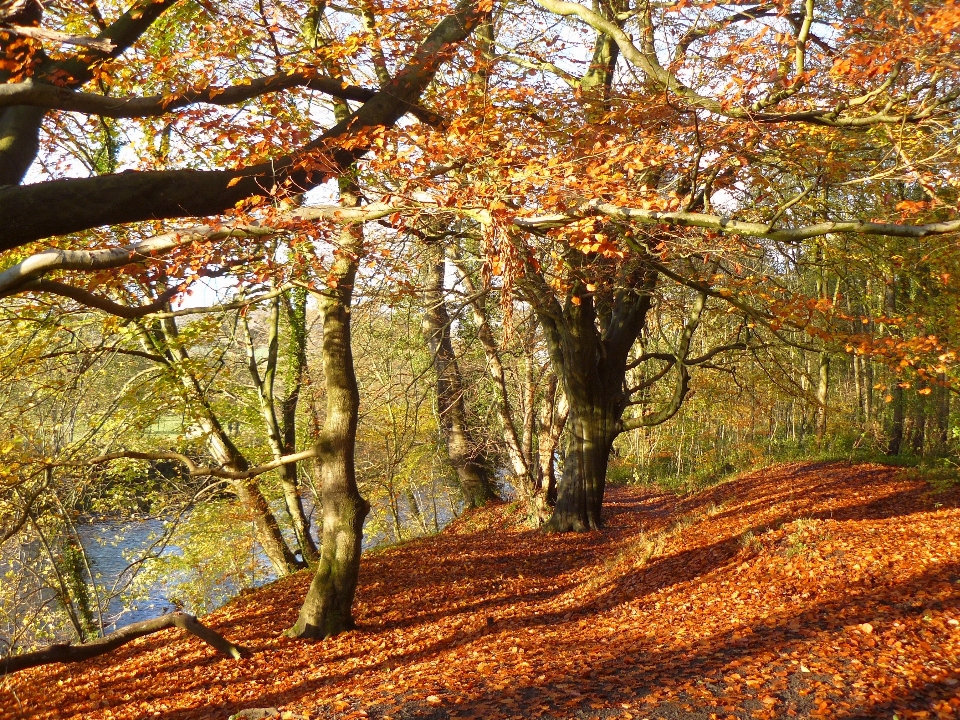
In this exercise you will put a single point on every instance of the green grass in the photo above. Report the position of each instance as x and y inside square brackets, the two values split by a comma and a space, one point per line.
[714, 468]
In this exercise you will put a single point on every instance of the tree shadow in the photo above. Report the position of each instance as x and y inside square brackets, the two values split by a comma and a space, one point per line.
[500, 588]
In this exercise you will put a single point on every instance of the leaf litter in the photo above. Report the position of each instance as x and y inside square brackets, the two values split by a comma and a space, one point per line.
[808, 590]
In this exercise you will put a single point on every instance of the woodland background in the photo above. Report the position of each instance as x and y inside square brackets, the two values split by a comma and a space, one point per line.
[292, 279]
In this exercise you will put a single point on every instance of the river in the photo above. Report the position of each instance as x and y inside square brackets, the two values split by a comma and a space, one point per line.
[111, 545]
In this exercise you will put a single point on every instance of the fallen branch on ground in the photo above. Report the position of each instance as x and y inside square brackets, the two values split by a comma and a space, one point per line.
[65, 653]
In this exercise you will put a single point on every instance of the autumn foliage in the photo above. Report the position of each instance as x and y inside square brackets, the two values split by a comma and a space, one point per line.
[823, 590]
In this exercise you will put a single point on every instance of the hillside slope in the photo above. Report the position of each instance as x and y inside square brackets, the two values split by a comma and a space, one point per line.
[803, 590]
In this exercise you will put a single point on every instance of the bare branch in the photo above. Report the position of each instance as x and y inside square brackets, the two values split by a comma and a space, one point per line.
[38, 33]
[61, 98]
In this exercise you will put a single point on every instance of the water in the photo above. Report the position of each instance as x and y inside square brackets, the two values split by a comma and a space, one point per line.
[111, 545]
[108, 544]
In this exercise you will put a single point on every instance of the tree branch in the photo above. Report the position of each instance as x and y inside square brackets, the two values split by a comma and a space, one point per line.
[84, 203]
[40, 264]
[39, 33]
[196, 471]
[723, 224]
[89, 299]
[101, 646]
[53, 97]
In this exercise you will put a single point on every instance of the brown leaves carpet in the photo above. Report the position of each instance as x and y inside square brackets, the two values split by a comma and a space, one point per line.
[803, 590]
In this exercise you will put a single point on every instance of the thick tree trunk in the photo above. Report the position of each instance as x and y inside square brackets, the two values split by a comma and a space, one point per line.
[592, 430]
[469, 463]
[19, 142]
[592, 367]
[327, 608]
[101, 646]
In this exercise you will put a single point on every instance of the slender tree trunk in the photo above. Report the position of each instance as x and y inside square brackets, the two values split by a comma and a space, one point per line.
[328, 607]
[521, 460]
[942, 414]
[823, 385]
[897, 424]
[469, 463]
[296, 306]
[223, 450]
[281, 431]
[858, 382]
[897, 395]
[553, 419]
[918, 432]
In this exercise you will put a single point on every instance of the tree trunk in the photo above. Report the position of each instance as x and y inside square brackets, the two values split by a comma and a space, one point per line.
[282, 439]
[897, 395]
[296, 374]
[942, 414]
[918, 433]
[101, 646]
[328, 607]
[592, 430]
[553, 419]
[592, 367]
[897, 425]
[469, 463]
[166, 343]
[823, 385]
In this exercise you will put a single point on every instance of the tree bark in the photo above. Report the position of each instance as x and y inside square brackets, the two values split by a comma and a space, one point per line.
[328, 607]
[469, 463]
[101, 646]
[591, 364]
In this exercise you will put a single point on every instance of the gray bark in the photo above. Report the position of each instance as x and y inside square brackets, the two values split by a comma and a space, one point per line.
[328, 607]
[469, 463]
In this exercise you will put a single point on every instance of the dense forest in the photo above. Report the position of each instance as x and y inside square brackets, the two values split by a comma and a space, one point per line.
[285, 283]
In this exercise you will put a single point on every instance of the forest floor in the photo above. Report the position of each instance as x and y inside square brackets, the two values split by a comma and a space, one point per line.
[806, 590]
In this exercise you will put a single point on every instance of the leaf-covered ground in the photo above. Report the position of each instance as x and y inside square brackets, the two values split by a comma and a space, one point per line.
[804, 590]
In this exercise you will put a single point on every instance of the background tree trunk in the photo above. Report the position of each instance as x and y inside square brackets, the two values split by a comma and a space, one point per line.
[469, 463]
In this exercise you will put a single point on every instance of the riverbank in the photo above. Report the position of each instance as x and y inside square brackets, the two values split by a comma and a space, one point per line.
[803, 590]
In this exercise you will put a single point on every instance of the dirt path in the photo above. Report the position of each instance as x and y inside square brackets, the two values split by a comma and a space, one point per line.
[804, 590]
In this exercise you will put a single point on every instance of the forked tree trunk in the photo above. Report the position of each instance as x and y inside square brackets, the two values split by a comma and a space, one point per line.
[468, 462]
[328, 607]
[591, 365]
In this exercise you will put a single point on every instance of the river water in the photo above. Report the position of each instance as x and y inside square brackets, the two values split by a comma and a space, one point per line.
[111, 545]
